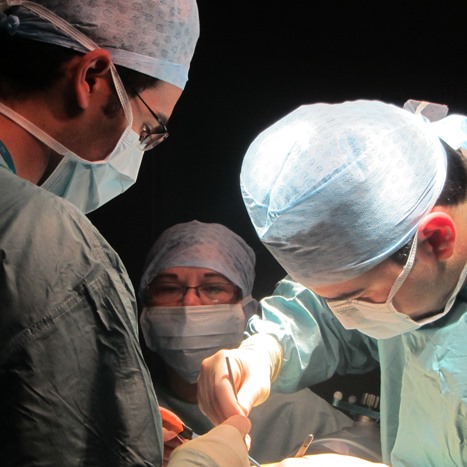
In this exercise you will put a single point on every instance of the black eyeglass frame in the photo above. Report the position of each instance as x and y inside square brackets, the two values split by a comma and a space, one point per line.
[236, 293]
[161, 133]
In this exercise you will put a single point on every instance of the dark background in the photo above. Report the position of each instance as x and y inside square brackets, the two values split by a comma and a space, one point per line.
[255, 62]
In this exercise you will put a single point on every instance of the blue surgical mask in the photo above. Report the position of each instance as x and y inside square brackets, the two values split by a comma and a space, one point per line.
[184, 336]
[383, 320]
[87, 184]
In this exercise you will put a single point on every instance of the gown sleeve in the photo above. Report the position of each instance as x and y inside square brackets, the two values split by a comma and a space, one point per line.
[314, 343]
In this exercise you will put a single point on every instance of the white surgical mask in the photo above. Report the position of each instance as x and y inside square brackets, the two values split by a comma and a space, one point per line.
[184, 336]
[383, 320]
[87, 184]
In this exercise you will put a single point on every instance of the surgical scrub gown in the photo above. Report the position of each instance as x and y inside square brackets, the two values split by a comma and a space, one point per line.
[423, 372]
[74, 389]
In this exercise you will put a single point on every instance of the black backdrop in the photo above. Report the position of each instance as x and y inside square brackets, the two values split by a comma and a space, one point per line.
[255, 62]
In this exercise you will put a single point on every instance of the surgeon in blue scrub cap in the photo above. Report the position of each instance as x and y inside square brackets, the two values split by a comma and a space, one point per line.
[196, 294]
[86, 87]
[364, 204]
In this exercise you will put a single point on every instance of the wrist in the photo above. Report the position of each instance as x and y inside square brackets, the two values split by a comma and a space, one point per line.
[268, 346]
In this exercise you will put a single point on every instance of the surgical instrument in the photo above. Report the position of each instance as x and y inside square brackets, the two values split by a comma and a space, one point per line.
[232, 383]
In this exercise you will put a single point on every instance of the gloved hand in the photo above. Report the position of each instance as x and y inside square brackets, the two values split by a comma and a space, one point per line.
[175, 432]
[224, 445]
[325, 460]
[254, 365]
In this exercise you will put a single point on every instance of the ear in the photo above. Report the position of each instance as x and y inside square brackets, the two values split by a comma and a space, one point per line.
[91, 72]
[437, 231]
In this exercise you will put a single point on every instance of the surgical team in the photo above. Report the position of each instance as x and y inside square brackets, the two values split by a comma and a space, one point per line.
[363, 203]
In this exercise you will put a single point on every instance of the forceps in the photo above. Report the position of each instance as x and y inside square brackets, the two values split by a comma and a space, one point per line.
[305, 445]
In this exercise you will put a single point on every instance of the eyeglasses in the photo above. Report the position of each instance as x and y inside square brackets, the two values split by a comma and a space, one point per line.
[168, 293]
[149, 138]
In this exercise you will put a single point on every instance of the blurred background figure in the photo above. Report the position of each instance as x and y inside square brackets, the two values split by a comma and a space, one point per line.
[196, 294]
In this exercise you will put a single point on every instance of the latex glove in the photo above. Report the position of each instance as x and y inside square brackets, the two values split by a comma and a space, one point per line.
[224, 445]
[175, 432]
[254, 365]
[325, 460]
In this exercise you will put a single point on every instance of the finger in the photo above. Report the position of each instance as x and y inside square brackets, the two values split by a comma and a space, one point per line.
[249, 395]
[215, 394]
[168, 435]
[240, 422]
[219, 402]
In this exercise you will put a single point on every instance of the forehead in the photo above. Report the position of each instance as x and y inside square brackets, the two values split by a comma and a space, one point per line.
[162, 97]
[189, 273]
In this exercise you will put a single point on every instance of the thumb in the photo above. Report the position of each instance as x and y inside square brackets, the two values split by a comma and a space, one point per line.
[250, 395]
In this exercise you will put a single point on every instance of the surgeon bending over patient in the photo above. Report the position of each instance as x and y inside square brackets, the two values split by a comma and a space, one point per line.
[364, 204]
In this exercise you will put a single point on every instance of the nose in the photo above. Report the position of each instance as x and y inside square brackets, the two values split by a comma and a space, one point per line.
[191, 298]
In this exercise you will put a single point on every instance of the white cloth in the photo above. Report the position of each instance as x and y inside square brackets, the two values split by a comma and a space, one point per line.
[278, 426]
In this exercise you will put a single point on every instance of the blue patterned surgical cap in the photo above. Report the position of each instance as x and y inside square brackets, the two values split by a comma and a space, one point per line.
[334, 189]
[154, 37]
[202, 245]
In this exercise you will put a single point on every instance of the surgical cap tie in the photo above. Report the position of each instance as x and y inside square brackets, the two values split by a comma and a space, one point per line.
[57, 23]
[451, 129]
[430, 110]
[9, 23]
[159, 43]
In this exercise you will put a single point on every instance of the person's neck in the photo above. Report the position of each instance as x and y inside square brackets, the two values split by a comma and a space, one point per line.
[181, 388]
[29, 155]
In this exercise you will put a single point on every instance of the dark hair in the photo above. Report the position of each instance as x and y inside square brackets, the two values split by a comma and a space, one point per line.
[31, 66]
[454, 192]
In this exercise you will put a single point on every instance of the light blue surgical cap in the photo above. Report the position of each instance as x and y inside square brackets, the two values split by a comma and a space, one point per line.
[154, 37]
[334, 189]
[202, 245]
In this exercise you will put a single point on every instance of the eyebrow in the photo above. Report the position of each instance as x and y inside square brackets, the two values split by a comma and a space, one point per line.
[158, 116]
[345, 296]
[208, 275]
[166, 276]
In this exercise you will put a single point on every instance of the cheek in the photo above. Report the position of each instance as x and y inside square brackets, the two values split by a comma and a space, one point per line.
[137, 118]
[418, 299]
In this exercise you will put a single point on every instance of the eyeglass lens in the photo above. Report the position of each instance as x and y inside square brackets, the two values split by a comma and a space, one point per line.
[149, 138]
[168, 292]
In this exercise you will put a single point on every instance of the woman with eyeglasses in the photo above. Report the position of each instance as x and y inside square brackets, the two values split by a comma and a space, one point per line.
[196, 292]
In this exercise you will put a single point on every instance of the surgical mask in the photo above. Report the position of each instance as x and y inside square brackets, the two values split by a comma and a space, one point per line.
[383, 320]
[87, 184]
[184, 336]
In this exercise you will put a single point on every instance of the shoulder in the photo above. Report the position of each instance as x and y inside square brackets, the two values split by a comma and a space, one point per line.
[290, 295]
[287, 287]
[52, 259]
[48, 242]
[37, 219]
